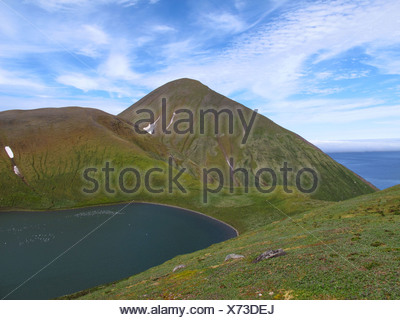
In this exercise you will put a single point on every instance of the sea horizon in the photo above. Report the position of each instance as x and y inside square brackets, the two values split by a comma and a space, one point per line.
[381, 168]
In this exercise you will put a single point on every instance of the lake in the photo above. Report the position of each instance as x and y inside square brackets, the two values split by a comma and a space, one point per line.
[129, 240]
[382, 169]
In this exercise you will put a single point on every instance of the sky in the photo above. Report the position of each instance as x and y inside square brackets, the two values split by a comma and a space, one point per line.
[327, 70]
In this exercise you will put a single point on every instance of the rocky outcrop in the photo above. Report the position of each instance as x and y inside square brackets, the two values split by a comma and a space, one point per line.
[181, 266]
[233, 256]
[269, 254]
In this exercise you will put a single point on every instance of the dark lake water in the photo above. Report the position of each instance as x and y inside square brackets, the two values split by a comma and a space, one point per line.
[382, 169]
[135, 239]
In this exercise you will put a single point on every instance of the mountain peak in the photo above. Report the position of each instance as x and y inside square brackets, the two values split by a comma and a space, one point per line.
[184, 87]
[185, 81]
[183, 92]
[268, 144]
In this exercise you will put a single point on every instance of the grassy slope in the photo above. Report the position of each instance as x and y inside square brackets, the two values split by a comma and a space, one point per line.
[269, 145]
[52, 148]
[346, 250]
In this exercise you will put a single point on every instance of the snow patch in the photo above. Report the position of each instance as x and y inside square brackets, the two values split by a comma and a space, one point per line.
[150, 128]
[10, 153]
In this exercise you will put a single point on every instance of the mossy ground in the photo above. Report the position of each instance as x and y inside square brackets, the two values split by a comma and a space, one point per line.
[345, 250]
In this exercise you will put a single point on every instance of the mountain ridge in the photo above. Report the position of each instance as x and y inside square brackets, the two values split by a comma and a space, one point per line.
[53, 146]
[267, 137]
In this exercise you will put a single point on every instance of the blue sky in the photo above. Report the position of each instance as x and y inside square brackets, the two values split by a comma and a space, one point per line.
[328, 70]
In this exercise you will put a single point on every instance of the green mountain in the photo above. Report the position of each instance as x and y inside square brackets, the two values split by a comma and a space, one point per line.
[268, 145]
[54, 147]
[345, 250]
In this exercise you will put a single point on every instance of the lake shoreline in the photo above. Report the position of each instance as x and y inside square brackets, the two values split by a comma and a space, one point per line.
[120, 203]
[194, 211]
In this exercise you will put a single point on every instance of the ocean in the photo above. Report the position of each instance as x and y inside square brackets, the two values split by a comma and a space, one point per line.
[382, 169]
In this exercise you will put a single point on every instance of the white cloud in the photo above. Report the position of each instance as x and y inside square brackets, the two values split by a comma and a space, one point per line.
[109, 105]
[352, 75]
[240, 4]
[386, 60]
[142, 40]
[162, 28]
[16, 80]
[113, 76]
[8, 27]
[323, 75]
[323, 30]
[95, 34]
[55, 5]
[348, 116]
[118, 66]
[179, 51]
[224, 21]
[270, 61]
[82, 82]
[362, 145]
[126, 3]
[273, 59]
[330, 111]
[85, 39]
[19, 49]
[96, 83]
[322, 91]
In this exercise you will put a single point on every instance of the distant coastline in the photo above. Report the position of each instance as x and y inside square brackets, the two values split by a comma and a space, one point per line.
[361, 145]
[381, 168]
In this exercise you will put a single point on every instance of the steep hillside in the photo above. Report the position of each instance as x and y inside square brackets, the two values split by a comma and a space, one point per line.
[52, 147]
[268, 145]
[347, 250]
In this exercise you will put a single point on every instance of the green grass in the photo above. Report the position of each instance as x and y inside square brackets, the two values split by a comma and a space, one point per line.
[347, 250]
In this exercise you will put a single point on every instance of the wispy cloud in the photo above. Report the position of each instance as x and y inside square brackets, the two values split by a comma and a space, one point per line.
[387, 60]
[224, 21]
[162, 28]
[55, 5]
[98, 83]
[240, 4]
[84, 39]
[10, 79]
[7, 26]
[117, 66]
[304, 63]
[273, 60]
[107, 104]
